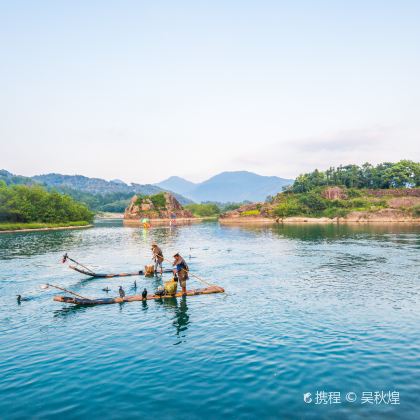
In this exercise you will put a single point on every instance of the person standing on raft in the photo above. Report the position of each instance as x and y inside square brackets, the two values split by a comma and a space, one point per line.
[157, 258]
[181, 270]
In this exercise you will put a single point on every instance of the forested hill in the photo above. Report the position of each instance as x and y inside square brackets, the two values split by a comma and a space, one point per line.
[386, 192]
[402, 174]
[32, 203]
[11, 179]
[94, 185]
[98, 194]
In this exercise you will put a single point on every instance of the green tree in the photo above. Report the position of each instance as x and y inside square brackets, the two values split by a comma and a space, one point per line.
[21, 203]
[204, 210]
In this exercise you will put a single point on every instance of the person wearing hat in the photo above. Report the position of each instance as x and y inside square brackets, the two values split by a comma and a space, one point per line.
[181, 270]
[157, 258]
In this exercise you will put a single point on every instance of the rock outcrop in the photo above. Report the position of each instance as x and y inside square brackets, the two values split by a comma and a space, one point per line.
[334, 193]
[167, 207]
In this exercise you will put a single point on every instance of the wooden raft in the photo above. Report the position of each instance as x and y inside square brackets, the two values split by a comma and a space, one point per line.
[110, 275]
[105, 301]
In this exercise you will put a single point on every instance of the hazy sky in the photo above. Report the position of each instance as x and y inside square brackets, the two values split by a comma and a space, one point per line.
[144, 90]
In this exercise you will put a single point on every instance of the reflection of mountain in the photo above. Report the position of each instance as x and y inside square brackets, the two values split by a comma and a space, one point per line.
[36, 243]
[228, 187]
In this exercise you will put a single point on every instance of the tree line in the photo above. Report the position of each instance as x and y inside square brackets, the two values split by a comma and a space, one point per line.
[402, 174]
[24, 204]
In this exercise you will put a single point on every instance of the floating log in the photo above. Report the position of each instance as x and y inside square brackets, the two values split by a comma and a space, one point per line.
[104, 301]
[110, 275]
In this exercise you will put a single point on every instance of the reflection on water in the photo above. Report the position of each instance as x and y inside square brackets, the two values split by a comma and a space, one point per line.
[26, 244]
[164, 235]
[69, 311]
[314, 232]
[308, 307]
[181, 319]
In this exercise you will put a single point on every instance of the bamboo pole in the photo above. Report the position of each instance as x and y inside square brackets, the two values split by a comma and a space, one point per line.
[66, 257]
[65, 290]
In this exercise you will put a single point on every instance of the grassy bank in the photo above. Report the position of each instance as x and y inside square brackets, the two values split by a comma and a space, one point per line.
[22, 226]
[317, 203]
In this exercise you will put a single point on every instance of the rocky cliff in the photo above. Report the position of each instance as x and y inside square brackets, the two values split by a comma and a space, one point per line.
[158, 206]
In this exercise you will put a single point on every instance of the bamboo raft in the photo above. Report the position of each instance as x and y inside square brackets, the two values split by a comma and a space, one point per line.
[105, 301]
[110, 275]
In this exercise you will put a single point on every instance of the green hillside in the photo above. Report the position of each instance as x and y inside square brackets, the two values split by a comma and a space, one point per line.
[33, 204]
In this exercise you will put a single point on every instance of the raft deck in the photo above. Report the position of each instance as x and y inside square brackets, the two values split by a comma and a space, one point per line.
[105, 301]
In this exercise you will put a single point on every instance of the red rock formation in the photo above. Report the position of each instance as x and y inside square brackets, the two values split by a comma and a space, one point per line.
[400, 192]
[146, 209]
[334, 193]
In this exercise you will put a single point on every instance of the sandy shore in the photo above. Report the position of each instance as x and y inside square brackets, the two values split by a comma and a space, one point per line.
[42, 229]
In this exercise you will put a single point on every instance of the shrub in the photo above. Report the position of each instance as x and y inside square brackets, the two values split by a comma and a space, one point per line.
[416, 210]
[287, 209]
[332, 212]
[158, 200]
[255, 212]
[313, 201]
[359, 203]
[140, 200]
[353, 193]
[204, 210]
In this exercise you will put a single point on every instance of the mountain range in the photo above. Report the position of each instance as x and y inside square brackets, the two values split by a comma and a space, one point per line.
[225, 187]
[102, 195]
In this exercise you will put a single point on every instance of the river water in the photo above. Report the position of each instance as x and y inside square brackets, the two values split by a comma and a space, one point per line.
[326, 310]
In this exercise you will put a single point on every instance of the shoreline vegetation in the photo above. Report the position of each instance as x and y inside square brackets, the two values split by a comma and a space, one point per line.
[30, 207]
[357, 219]
[29, 227]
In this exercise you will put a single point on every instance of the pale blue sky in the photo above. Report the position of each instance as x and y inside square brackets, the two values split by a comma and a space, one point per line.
[144, 90]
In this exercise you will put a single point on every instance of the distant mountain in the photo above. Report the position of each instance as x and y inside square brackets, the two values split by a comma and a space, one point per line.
[117, 181]
[100, 186]
[93, 185]
[10, 178]
[229, 187]
[99, 194]
[177, 184]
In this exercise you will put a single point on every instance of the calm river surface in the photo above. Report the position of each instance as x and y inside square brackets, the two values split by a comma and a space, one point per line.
[307, 309]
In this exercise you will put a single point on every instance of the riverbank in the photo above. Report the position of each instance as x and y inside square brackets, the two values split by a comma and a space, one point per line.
[381, 216]
[34, 227]
[179, 221]
[109, 215]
